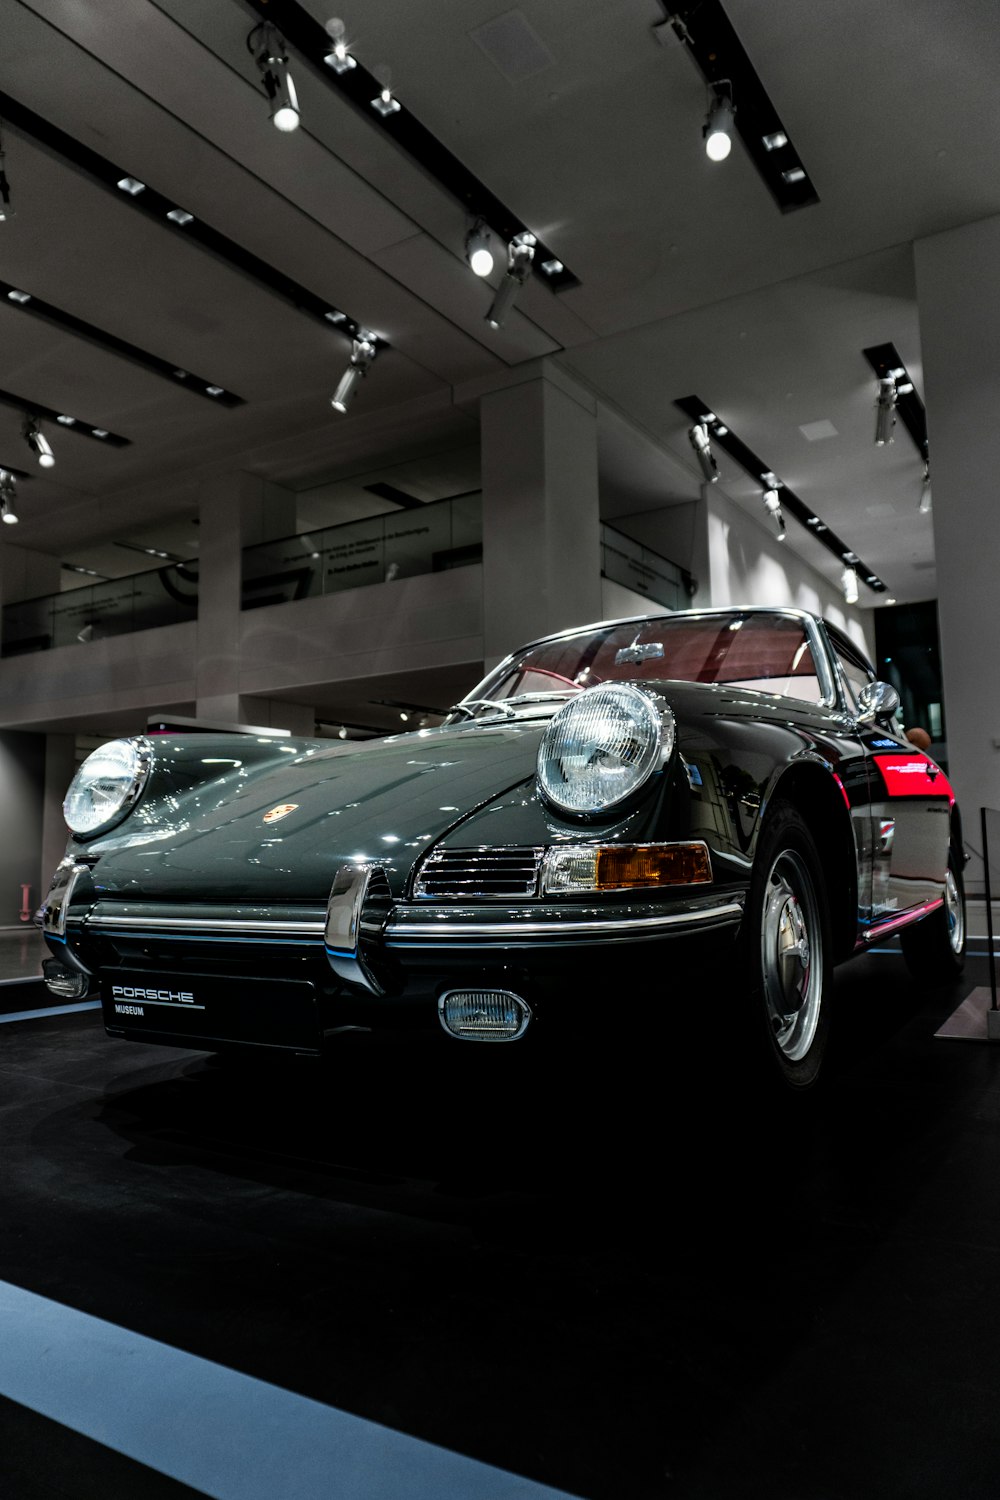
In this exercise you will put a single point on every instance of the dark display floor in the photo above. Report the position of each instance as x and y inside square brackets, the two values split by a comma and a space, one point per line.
[616, 1281]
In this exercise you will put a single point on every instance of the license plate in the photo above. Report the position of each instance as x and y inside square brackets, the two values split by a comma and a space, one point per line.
[206, 1008]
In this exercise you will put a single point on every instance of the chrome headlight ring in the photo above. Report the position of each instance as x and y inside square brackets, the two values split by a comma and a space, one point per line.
[107, 786]
[603, 746]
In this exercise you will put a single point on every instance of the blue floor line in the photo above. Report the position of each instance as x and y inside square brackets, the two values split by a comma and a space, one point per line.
[49, 1010]
[228, 1435]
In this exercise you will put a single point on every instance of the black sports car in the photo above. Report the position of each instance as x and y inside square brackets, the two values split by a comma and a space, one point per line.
[730, 781]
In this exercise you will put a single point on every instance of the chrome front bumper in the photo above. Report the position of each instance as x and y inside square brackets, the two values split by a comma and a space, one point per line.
[367, 938]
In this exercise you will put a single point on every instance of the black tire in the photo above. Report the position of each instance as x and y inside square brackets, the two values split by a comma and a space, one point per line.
[785, 950]
[934, 949]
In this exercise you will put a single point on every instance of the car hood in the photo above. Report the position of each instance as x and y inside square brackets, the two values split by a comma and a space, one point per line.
[387, 800]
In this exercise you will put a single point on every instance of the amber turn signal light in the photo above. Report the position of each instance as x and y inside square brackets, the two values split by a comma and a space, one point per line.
[652, 864]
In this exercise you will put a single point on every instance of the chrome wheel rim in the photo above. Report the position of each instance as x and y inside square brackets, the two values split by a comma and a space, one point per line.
[954, 913]
[791, 951]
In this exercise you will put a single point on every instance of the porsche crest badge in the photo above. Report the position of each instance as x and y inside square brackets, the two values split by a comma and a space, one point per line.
[281, 811]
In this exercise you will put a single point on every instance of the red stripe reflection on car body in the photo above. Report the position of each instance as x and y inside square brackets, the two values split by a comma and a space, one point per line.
[913, 776]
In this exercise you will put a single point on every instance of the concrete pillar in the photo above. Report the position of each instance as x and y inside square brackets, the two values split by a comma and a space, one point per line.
[236, 511]
[960, 338]
[541, 525]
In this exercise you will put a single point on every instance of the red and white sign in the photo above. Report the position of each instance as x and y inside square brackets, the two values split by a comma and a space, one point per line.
[913, 776]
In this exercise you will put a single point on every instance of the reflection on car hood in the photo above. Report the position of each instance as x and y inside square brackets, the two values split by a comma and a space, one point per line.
[386, 800]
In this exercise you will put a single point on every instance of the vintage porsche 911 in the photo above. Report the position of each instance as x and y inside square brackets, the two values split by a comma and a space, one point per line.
[605, 803]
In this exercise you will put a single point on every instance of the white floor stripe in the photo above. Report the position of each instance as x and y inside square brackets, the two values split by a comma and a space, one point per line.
[226, 1434]
[49, 1010]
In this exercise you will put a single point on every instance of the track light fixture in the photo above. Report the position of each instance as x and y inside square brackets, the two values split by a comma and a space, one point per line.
[885, 410]
[338, 58]
[385, 104]
[772, 504]
[38, 443]
[362, 355]
[520, 254]
[699, 440]
[8, 497]
[477, 249]
[925, 491]
[849, 583]
[271, 57]
[718, 128]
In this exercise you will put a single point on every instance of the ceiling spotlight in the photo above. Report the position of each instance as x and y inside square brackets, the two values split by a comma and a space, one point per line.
[772, 503]
[520, 254]
[849, 583]
[775, 140]
[362, 355]
[132, 186]
[699, 440]
[925, 491]
[38, 443]
[8, 497]
[14, 295]
[885, 411]
[271, 58]
[385, 104]
[477, 249]
[338, 58]
[718, 127]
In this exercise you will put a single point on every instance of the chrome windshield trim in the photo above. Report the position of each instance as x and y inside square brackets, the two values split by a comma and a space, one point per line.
[181, 925]
[447, 926]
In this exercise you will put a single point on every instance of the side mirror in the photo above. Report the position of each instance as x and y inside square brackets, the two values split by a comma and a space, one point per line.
[878, 700]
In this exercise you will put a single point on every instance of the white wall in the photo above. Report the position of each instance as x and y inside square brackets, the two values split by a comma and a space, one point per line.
[748, 565]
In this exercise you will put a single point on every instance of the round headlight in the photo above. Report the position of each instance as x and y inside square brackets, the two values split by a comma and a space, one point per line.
[602, 746]
[107, 786]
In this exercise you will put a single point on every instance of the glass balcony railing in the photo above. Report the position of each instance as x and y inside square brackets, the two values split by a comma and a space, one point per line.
[162, 596]
[644, 572]
[439, 535]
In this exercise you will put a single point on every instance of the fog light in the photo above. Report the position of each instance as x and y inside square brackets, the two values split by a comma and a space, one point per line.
[69, 984]
[483, 1015]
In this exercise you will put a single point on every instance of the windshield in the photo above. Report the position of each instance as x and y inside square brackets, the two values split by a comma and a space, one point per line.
[767, 652]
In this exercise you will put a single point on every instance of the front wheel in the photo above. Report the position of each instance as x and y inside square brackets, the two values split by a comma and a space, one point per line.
[934, 949]
[785, 948]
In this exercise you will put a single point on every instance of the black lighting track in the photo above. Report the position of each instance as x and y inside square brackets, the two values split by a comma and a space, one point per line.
[713, 44]
[157, 207]
[28, 303]
[63, 422]
[17, 474]
[359, 87]
[884, 359]
[723, 437]
[394, 496]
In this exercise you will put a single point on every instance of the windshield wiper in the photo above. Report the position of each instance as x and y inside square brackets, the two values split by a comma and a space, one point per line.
[558, 696]
[471, 703]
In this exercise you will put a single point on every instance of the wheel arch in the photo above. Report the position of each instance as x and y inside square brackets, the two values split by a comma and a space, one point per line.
[819, 800]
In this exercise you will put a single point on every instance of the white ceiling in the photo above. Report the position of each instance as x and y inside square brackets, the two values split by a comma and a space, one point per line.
[692, 281]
